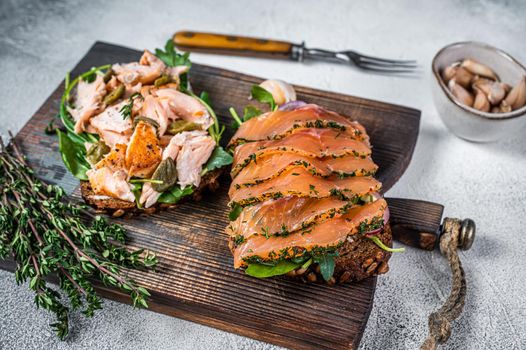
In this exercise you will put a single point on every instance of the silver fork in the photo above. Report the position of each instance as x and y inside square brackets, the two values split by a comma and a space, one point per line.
[376, 64]
[257, 47]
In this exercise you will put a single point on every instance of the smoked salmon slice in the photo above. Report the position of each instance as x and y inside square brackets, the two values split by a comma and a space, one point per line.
[268, 167]
[278, 124]
[328, 234]
[313, 143]
[284, 215]
[301, 183]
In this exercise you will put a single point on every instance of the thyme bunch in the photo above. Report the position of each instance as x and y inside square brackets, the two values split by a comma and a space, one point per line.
[47, 235]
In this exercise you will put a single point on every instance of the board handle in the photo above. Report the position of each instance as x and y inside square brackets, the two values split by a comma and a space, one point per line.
[231, 45]
[419, 224]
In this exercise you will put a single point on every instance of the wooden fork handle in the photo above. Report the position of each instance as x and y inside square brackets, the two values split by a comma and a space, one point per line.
[232, 45]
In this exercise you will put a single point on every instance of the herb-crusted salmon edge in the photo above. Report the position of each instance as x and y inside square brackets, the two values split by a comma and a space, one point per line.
[356, 260]
[117, 207]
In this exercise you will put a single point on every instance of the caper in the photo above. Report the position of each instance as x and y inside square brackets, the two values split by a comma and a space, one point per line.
[162, 80]
[97, 151]
[146, 120]
[181, 125]
[107, 76]
[114, 95]
[167, 173]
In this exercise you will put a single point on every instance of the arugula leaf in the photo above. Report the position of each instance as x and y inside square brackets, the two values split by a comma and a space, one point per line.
[250, 112]
[206, 98]
[263, 96]
[175, 194]
[234, 213]
[90, 78]
[264, 271]
[380, 244]
[307, 263]
[327, 264]
[73, 155]
[218, 159]
[136, 189]
[236, 123]
[171, 58]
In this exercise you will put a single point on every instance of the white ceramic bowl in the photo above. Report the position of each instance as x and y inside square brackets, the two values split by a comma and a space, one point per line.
[466, 122]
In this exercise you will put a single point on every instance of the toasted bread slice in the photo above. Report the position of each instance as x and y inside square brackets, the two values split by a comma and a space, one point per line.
[118, 207]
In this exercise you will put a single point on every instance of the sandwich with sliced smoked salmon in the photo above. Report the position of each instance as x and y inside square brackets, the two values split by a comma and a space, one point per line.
[304, 199]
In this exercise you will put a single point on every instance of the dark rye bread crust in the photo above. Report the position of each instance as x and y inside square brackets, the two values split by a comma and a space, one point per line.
[356, 260]
[118, 207]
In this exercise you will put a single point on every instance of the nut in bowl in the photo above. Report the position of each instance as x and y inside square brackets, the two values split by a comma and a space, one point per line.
[479, 91]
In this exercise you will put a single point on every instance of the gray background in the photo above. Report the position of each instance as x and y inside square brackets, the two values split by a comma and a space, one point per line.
[40, 41]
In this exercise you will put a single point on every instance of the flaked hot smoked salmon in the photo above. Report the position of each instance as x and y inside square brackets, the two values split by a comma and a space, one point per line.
[329, 233]
[313, 143]
[144, 152]
[153, 109]
[268, 167]
[87, 102]
[145, 71]
[190, 150]
[110, 183]
[301, 183]
[185, 106]
[131, 116]
[115, 160]
[277, 124]
[112, 127]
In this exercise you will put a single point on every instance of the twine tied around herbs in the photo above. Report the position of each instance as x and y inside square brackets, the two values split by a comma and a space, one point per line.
[440, 320]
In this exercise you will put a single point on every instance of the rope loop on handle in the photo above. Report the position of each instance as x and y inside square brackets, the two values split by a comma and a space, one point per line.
[440, 320]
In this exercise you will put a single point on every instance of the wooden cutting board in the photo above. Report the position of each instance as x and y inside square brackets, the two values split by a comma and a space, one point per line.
[195, 279]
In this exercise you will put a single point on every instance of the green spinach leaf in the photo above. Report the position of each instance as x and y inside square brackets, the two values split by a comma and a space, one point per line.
[327, 264]
[218, 159]
[175, 194]
[74, 155]
[264, 271]
[263, 96]
[250, 112]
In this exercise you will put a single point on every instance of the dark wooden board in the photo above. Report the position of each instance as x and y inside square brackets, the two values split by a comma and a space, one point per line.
[195, 279]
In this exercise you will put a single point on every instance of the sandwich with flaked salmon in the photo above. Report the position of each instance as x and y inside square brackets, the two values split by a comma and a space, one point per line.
[304, 200]
[137, 136]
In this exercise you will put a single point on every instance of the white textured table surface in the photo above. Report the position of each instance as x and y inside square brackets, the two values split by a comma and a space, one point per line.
[40, 42]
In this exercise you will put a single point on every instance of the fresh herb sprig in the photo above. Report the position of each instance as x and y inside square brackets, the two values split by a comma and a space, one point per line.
[48, 235]
[172, 58]
[126, 110]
